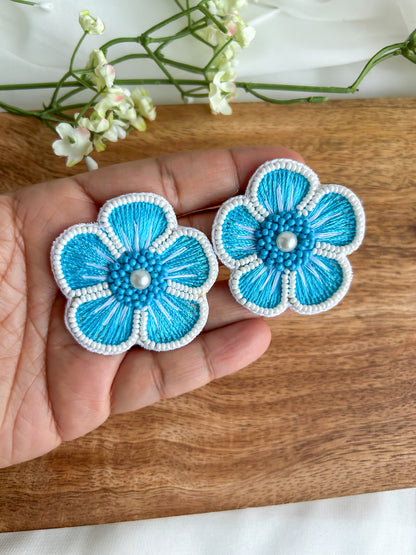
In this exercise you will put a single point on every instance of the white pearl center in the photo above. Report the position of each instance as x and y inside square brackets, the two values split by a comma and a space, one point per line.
[286, 241]
[140, 279]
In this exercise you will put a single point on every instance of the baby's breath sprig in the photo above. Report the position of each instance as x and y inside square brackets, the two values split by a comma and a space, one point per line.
[113, 110]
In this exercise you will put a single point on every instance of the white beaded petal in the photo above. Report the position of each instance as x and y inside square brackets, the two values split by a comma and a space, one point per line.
[139, 278]
[287, 240]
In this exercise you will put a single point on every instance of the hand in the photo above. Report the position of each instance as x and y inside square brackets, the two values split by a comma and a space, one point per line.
[52, 389]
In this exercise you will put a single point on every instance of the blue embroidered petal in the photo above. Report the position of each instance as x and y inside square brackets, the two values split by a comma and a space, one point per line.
[172, 318]
[82, 260]
[237, 235]
[262, 286]
[333, 220]
[104, 321]
[185, 260]
[282, 190]
[320, 280]
[135, 221]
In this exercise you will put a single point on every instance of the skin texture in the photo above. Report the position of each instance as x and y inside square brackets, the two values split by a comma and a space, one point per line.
[52, 389]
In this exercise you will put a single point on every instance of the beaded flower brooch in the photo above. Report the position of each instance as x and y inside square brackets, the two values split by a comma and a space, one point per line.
[135, 277]
[287, 240]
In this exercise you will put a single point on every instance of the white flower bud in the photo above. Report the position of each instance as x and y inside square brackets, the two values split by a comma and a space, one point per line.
[91, 163]
[143, 103]
[90, 24]
[222, 90]
[104, 73]
[47, 6]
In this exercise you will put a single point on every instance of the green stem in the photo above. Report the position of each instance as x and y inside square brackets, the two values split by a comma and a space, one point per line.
[218, 23]
[196, 36]
[25, 2]
[195, 82]
[310, 99]
[51, 127]
[15, 110]
[69, 94]
[20, 112]
[69, 107]
[175, 17]
[172, 79]
[380, 56]
[68, 73]
[58, 88]
[145, 37]
[189, 15]
[77, 47]
[195, 89]
[180, 65]
[186, 31]
[30, 86]
[218, 54]
[196, 95]
[84, 83]
[86, 107]
[120, 40]
[127, 57]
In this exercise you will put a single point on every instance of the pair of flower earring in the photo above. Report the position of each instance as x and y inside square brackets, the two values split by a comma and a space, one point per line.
[137, 278]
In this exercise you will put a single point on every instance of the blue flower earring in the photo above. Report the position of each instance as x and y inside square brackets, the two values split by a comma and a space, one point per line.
[287, 240]
[134, 277]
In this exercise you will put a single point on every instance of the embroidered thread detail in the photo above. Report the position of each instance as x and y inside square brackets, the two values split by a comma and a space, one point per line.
[287, 240]
[135, 277]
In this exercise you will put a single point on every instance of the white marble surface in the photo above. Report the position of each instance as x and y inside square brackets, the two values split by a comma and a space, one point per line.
[307, 42]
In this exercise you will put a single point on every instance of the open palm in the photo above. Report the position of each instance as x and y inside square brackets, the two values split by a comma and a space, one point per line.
[52, 389]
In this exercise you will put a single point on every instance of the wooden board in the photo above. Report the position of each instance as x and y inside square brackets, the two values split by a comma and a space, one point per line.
[329, 410]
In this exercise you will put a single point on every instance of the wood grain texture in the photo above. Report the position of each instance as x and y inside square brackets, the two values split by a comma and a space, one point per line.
[329, 410]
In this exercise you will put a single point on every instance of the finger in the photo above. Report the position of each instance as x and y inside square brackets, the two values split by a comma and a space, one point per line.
[200, 220]
[223, 308]
[79, 381]
[188, 180]
[145, 377]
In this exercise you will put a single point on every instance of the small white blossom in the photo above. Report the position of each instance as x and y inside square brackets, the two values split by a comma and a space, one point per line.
[109, 101]
[221, 91]
[126, 111]
[74, 143]
[95, 123]
[121, 103]
[242, 33]
[116, 131]
[91, 163]
[227, 55]
[226, 7]
[143, 103]
[237, 30]
[104, 73]
[211, 33]
[90, 24]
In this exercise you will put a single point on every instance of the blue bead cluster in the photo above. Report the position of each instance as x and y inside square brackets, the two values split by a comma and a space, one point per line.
[119, 278]
[266, 236]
